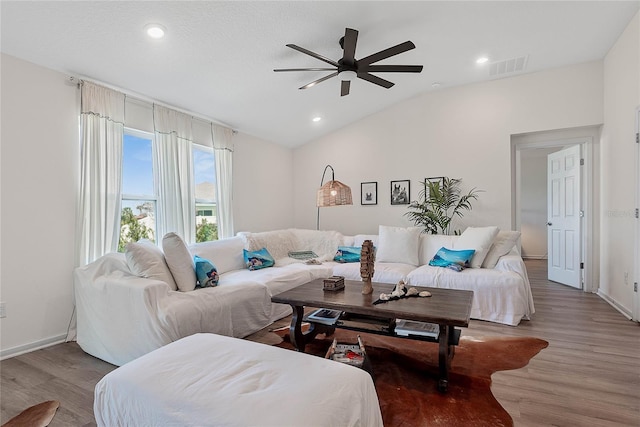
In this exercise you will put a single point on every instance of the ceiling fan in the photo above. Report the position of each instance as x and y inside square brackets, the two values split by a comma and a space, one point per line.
[348, 68]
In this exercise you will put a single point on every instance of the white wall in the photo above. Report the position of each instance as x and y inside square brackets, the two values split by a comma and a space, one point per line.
[621, 98]
[462, 132]
[40, 173]
[262, 185]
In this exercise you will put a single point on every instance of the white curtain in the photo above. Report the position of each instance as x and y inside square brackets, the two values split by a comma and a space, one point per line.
[98, 215]
[174, 173]
[98, 218]
[223, 149]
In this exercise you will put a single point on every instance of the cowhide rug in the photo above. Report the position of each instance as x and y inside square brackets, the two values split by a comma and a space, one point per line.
[405, 375]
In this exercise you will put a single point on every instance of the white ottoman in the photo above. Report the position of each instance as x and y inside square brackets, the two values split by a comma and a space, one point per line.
[214, 380]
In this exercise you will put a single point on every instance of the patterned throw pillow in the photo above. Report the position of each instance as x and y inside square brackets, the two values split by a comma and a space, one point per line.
[206, 272]
[348, 254]
[255, 260]
[455, 260]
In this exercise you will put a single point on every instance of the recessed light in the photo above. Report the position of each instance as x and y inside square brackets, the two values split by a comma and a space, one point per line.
[317, 119]
[155, 31]
[482, 60]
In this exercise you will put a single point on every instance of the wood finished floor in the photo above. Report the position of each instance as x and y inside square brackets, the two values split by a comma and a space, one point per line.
[588, 376]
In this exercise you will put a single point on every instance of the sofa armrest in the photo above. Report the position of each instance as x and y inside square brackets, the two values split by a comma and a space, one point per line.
[117, 312]
[512, 262]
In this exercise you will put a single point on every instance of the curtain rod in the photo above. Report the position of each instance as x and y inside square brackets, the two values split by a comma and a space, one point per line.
[74, 80]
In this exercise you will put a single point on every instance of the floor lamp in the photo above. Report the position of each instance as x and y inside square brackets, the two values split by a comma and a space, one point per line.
[333, 193]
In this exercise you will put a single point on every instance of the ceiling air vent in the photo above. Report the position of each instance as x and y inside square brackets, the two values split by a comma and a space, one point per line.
[508, 66]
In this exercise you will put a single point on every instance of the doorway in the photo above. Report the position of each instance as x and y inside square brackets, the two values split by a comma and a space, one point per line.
[529, 200]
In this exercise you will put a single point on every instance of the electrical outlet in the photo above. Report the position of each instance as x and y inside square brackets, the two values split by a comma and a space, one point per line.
[3, 310]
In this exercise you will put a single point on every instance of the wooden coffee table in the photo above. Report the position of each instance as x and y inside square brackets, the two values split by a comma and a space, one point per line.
[449, 308]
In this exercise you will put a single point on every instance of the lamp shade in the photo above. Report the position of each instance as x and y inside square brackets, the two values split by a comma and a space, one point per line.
[334, 193]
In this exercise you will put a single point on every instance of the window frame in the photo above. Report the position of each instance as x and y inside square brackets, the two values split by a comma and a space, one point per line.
[127, 197]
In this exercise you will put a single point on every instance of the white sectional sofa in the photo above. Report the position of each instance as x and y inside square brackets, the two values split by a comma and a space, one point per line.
[124, 312]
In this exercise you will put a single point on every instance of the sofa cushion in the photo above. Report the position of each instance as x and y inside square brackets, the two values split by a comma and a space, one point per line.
[358, 239]
[206, 272]
[455, 260]
[180, 262]
[431, 243]
[145, 259]
[502, 245]
[323, 242]
[256, 260]
[479, 239]
[347, 254]
[398, 244]
[226, 254]
[278, 243]
[383, 272]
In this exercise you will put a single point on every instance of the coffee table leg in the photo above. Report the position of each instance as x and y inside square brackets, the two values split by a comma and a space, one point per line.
[295, 329]
[444, 356]
[300, 339]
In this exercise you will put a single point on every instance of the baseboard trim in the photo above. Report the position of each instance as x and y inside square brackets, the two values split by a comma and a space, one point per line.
[615, 304]
[534, 257]
[36, 345]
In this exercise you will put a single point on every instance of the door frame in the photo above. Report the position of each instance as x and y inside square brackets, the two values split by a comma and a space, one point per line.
[636, 299]
[590, 282]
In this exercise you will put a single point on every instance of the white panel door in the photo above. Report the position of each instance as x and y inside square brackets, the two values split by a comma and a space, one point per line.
[563, 220]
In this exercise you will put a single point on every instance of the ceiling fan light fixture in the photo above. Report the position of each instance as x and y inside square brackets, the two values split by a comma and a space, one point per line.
[347, 75]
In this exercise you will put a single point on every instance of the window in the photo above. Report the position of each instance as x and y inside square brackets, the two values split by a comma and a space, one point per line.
[137, 220]
[204, 175]
[139, 194]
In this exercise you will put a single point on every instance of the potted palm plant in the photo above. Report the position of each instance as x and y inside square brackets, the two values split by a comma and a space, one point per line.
[438, 202]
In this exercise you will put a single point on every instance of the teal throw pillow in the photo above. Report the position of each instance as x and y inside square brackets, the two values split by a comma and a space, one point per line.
[455, 260]
[348, 254]
[255, 260]
[206, 272]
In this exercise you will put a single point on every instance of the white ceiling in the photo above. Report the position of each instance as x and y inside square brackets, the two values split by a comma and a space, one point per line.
[217, 58]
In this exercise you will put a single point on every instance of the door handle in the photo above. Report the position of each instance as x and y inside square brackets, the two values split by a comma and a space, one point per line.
[549, 224]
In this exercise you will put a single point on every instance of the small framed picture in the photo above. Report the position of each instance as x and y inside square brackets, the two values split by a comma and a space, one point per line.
[368, 193]
[434, 179]
[400, 192]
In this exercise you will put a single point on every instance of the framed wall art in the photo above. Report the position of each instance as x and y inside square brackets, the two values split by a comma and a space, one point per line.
[433, 179]
[400, 192]
[368, 193]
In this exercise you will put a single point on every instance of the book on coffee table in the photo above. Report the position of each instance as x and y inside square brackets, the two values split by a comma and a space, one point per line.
[325, 316]
[411, 327]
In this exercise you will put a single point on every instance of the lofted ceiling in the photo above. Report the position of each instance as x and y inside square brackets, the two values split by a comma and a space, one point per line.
[217, 57]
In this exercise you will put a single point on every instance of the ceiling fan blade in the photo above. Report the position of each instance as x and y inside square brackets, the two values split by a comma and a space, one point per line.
[320, 80]
[376, 80]
[315, 55]
[304, 69]
[392, 68]
[344, 87]
[383, 54]
[349, 46]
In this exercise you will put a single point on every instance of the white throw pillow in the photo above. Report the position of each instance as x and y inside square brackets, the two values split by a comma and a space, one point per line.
[145, 259]
[502, 244]
[479, 239]
[398, 244]
[226, 254]
[180, 262]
